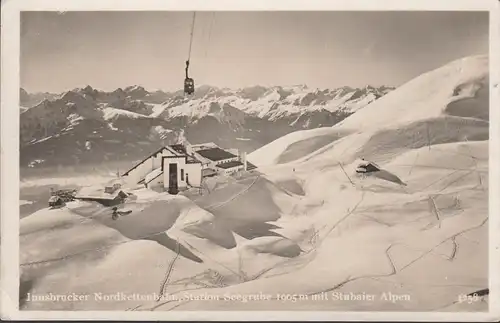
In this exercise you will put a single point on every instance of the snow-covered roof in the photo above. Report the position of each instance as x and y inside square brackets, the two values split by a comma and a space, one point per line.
[154, 174]
[176, 150]
[93, 192]
[149, 156]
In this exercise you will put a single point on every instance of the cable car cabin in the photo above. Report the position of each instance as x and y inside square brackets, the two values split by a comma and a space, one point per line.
[189, 86]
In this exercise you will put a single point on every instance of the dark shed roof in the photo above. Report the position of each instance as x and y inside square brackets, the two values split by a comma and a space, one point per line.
[215, 154]
[179, 149]
[250, 166]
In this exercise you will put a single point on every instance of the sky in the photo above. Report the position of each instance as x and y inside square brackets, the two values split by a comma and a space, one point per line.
[107, 50]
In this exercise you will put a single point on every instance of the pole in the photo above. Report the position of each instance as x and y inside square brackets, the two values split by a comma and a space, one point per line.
[346, 174]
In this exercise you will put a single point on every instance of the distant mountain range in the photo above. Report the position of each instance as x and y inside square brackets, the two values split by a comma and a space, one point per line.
[86, 125]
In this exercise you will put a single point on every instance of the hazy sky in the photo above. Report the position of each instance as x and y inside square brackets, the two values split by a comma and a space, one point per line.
[234, 49]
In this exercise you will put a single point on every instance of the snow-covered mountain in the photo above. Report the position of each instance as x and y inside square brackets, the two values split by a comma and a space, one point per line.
[29, 100]
[296, 105]
[59, 126]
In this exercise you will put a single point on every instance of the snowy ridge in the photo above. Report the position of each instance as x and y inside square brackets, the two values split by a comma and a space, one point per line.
[296, 104]
[423, 101]
[275, 103]
[424, 97]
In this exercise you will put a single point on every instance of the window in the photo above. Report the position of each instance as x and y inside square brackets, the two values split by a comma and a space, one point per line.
[182, 174]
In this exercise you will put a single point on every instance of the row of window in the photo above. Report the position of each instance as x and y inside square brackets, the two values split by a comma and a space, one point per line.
[234, 170]
[226, 161]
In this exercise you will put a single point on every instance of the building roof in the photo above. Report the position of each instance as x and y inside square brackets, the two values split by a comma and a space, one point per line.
[177, 150]
[92, 192]
[250, 166]
[142, 161]
[189, 159]
[215, 154]
[180, 150]
[231, 164]
[192, 160]
[153, 175]
[206, 145]
[207, 172]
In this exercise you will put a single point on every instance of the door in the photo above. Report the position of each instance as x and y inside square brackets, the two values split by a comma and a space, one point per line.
[173, 187]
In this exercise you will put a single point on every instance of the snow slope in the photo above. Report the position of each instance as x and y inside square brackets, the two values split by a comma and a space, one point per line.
[306, 247]
[417, 112]
[304, 225]
[270, 153]
[425, 97]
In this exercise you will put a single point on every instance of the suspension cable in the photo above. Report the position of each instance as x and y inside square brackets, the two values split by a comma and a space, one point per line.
[191, 36]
